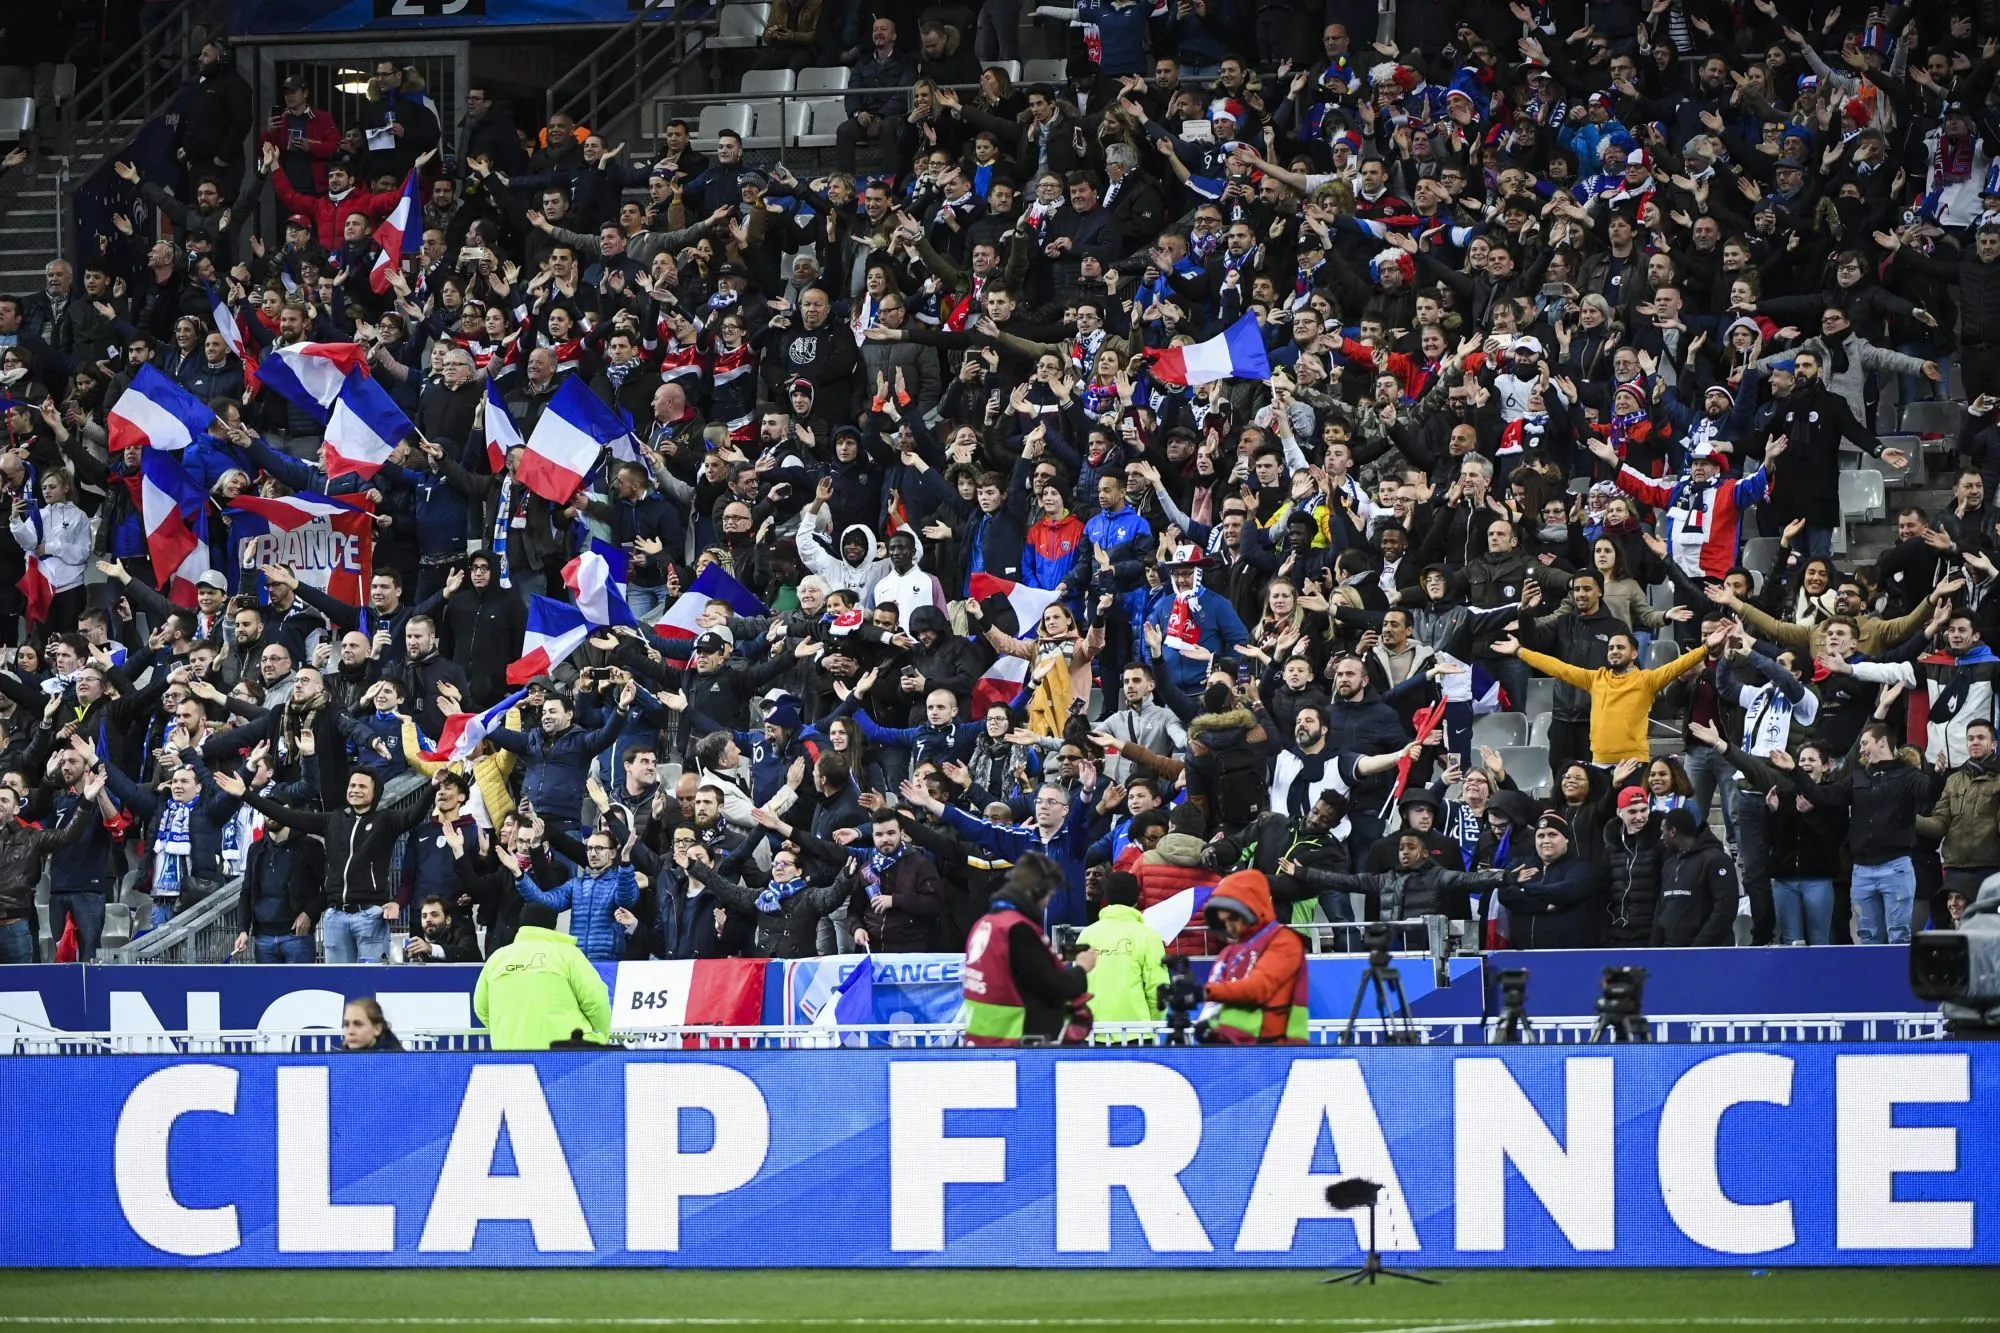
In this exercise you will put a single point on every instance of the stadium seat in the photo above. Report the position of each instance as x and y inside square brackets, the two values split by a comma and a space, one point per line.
[1013, 68]
[820, 79]
[740, 25]
[1500, 730]
[1759, 552]
[65, 82]
[767, 129]
[17, 117]
[1862, 495]
[1046, 71]
[1915, 474]
[1538, 730]
[768, 81]
[1660, 596]
[1661, 652]
[1840, 539]
[716, 119]
[1529, 768]
[821, 117]
[1541, 695]
[117, 926]
[1933, 417]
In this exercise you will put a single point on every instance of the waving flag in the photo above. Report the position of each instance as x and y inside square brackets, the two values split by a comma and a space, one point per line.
[232, 334]
[1170, 916]
[1237, 353]
[1427, 720]
[555, 630]
[156, 412]
[365, 428]
[329, 544]
[564, 447]
[596, 579]
[311, 375]
[37, 589]
[172, 506]
[501, 434]
[1003, 680]
[401, 233]
[712, 585]
[852, 1002]
[463, 731]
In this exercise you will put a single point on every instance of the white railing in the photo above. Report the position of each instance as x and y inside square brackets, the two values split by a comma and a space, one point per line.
[1567, 1030]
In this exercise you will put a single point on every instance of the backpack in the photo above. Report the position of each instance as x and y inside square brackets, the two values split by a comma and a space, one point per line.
[1240, 785]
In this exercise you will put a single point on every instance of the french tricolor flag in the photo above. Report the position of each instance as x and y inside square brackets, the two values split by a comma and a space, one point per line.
[292, 511]
[555, 630]
[596, 580]
[1237, 353]
[232, 334]
[501, 432]
[1003, 680]
[311, 375]
[463, 731]
[365, 428]
[158, 413]
[402, 232]
[682, 620]
[1170, 916]
[172, 506]
[574, 428]
[36, 588]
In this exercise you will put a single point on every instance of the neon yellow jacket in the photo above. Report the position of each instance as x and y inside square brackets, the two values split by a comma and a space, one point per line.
[540, 989]
[1131, 966]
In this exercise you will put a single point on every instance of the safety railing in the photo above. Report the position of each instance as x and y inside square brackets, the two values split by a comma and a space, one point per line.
[1561, 1031]
[204, 933]
[137, 83]
[613, 79]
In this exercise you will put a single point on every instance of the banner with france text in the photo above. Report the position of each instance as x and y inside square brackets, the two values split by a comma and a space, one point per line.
[1174, 1158]
[329, 544]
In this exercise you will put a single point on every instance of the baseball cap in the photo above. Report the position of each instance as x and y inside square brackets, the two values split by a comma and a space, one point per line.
[212, 579]
[713, 641]
[1633, 796]
[299, 220]
[293, 84]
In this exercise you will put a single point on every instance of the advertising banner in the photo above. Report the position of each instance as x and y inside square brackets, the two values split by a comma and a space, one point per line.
[329, 545]
[1820, 1154]
[273, 17]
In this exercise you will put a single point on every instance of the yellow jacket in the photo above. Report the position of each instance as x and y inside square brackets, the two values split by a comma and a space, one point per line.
[489, 770]
[1619, 700]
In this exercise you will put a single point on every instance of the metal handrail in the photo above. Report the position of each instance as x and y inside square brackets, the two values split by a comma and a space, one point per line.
[205, 933]
[629, 49]
[1569, 1030]
[132, 82]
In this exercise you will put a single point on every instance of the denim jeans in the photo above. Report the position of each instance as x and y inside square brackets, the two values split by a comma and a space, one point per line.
[1753, 863]
[997, 35]
[1709, 773]
[1883, 896]
[17, 942]
[1805, 910]
[87, 909]
[645, 601]
[163, 912]
[355, 937]
[1819, 542]
[285, 948]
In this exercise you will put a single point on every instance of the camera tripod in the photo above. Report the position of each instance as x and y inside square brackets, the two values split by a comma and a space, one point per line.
[1620, 1014]
[1513, 1027]
[1348, 1194]
[1399, 1028]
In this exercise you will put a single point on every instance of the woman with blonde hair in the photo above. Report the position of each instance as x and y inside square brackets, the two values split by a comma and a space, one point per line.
[1058, 663]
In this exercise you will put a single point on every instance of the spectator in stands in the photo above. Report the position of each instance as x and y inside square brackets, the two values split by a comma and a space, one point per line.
[283, 895]
[215, 124]
[870, 114]
[441, 936]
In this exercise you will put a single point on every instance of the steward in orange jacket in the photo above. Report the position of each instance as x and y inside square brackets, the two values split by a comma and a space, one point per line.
[1257, 989]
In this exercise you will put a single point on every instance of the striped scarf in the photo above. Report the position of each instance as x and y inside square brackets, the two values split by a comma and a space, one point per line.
[502, 517]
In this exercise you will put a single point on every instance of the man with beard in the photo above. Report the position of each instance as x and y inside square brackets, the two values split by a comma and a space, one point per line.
[558, 755]
[215, 122]
[1312, 767]
[1966, 817]
[423, 670]
[1139, 719]
[1809, 426]
[1358, 721]
[940, 660]
[1578, 636]
[1621, 695]
[1958, 681]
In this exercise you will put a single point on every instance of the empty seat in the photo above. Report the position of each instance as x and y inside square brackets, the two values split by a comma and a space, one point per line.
[1013, 68]
[1863, 495]
[741, 25]
[768, 81]
[1759, 552]
[1541, 694]
[17, 117]
[1045, 71]
[1933, 417]
[821, 117]
[1661, 652]
[767, 129]
[65, 82]
[1538, 730]
[1914, 473]
[1660, 596]
[715, 119]
[1500, 730]
[1529, 768]
[821, 79]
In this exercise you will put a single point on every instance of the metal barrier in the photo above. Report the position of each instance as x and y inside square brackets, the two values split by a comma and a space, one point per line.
[205, 933]
[1562, 1031]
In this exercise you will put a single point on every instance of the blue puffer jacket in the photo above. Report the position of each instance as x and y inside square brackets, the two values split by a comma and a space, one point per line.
[590, 900]
[558, 765]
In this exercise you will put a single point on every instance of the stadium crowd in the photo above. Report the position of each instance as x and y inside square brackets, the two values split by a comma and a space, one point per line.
[1548, 305]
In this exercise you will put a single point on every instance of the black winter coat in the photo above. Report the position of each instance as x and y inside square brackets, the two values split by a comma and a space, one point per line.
[1698, 893]
[1632, 869]
[1557, 909]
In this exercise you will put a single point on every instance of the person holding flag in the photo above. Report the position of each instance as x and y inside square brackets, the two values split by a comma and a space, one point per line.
[54, 537]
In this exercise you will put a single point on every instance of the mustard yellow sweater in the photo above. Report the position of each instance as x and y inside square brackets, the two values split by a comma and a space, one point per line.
[1619, 700]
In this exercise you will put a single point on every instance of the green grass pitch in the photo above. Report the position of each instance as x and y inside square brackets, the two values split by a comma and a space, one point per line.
[1472, 1302]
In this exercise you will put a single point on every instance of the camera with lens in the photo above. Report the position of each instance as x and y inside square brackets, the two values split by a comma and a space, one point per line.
[1376, 938]
[1960, 969]
[1180, 999]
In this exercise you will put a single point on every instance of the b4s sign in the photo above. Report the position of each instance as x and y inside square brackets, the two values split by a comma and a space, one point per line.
[1813, 1154]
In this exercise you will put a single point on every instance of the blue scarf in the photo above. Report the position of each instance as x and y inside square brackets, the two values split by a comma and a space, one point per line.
[501, 518]
[773, 898]
[879, 864]
[173, 844]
